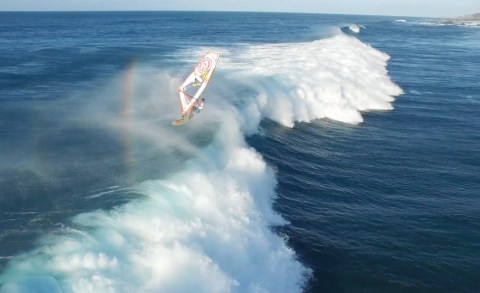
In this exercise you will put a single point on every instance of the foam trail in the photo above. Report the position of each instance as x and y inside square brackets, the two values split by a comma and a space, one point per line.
[207, 227]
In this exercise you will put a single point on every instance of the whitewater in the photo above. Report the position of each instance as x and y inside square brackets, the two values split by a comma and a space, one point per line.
[206, 225]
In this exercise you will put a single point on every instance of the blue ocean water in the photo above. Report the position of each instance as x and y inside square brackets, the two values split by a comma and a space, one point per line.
[334, 153]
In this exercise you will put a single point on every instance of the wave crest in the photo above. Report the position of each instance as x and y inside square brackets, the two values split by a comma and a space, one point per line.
[335, 78]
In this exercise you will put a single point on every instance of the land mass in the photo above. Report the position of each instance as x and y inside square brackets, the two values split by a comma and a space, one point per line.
[472, 17]
[467, 20]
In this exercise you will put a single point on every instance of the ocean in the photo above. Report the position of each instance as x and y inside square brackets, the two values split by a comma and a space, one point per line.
[334, 153]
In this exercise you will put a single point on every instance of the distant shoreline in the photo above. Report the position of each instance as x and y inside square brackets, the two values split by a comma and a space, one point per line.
[467, 20]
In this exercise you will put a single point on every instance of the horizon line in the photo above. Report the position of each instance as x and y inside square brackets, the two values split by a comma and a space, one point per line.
[214, 11]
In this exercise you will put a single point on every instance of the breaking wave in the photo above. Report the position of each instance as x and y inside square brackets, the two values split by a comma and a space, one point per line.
[207, 227]
[335, 78]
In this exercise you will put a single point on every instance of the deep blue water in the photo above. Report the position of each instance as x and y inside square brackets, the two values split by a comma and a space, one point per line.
[389, 204]
[392, 205]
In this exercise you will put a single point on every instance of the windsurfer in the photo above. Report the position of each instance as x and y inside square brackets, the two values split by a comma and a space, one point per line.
[199, 106]
[192, 88]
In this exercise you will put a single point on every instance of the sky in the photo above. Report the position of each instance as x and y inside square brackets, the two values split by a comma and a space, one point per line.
[426, 8]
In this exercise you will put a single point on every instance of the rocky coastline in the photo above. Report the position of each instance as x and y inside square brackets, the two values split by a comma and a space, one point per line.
[467, 20]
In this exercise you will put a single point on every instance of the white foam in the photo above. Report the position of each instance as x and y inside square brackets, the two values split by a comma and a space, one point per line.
[354, 28]
[202, 230]
[207, 228]
[334, 78]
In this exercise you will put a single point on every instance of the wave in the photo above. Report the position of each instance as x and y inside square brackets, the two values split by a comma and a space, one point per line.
[207, 227]
[335, 78]
[352, 29]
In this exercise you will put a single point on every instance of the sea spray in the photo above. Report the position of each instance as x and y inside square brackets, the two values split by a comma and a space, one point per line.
[207, 226]
[205, 229]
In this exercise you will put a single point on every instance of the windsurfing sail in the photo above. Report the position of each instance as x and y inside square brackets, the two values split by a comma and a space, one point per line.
[194, 85]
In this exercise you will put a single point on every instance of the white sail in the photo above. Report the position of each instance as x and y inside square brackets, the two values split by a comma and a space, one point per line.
[194, 85]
